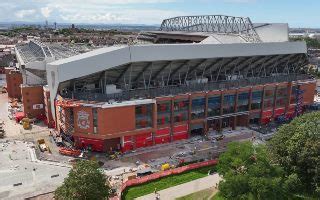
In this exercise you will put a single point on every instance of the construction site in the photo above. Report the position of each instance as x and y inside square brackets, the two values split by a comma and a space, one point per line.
[172, 96]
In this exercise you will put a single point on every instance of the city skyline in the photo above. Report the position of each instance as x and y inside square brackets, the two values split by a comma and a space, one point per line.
[150, 12]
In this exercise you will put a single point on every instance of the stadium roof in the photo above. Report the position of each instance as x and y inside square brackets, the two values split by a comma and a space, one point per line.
[34, 51]
[220, 29]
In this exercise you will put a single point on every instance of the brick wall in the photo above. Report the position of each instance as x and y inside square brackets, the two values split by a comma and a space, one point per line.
[33, 101]
[116, 119]
[14, 80]
[83, 120]
[308, 92]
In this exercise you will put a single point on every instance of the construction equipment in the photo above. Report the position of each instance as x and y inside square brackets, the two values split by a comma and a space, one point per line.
[165, 167]
[220, 137]
[26, 123]
[42, 145]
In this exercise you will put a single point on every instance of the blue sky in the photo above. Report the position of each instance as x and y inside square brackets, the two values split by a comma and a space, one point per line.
[298, 13]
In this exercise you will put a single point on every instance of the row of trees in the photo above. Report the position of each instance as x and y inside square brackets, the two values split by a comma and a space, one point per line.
[288, 166]
[311, 42]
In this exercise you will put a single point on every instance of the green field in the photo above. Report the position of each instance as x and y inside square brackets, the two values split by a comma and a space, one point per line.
[201, 195]
[165, 182]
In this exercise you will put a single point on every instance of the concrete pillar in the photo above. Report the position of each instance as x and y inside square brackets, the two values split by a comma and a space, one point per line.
[289, 97]
[154, 122]
[236, 101]
[172, 119]
[234, 123]
[274, 101]
[206, 115]
[189, 115]
[262, 103]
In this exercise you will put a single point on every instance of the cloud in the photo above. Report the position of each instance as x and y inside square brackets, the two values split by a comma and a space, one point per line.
[24, 13]
[127, 16]
[45, 11]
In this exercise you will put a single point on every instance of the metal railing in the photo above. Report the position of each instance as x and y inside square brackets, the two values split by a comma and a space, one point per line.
[183, 89]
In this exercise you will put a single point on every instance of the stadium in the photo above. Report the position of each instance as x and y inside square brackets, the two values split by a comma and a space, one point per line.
[194, 75]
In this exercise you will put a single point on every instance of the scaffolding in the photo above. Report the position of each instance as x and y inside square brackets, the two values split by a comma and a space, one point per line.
[66, 118]
[299, 100]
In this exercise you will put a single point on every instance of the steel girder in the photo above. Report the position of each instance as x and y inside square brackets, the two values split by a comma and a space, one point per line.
[241, 26]
[155, 75]
[139, 75]
[122, 73]
[213, 69]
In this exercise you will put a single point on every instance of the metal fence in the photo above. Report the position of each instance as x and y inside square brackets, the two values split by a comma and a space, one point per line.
[183, 89]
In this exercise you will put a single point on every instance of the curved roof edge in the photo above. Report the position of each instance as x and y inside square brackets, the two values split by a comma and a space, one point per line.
[110, 57]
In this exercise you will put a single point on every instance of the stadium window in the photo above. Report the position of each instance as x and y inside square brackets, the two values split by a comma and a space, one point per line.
[181, 104]
[269, 93]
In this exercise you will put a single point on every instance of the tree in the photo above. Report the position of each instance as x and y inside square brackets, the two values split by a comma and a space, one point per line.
[249, 174]
[296, 147]
[85, 181]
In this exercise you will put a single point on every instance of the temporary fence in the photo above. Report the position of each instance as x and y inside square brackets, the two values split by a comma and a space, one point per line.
[179, 170]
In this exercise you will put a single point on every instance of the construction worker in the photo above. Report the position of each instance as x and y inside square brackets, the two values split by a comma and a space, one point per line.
[158, 196]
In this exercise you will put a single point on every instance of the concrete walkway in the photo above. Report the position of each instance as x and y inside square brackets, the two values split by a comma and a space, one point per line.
[185, 189]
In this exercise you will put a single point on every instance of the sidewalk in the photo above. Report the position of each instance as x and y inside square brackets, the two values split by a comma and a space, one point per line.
[185, 189]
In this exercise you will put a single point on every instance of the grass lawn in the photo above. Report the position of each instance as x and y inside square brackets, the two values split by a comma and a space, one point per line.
[217, 196]
[165, 182]
[201, 195]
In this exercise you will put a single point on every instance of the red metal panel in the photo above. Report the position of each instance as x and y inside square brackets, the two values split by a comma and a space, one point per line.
[143, 140]
[180, 136]
[164, 131]
[290, 115]
[96, 145]
[127, 147]
[279, 111]
[162, 139]
[292, 109]
[162, 136]
[180, 132]
[266, 120]
[126, 139]
[266, 114]
[180, 128]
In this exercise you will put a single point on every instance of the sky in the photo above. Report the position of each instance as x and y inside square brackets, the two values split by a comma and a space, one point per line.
[298, 13]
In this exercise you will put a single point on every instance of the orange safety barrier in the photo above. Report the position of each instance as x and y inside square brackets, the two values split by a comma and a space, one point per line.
[67, 103]
[69, 152]
[179, 170]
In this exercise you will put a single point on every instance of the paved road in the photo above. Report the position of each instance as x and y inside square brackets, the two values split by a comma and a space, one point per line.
[17, 166]
[185, 189]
